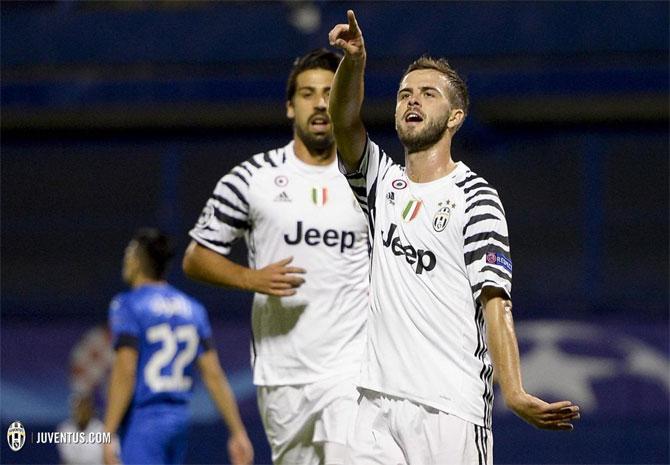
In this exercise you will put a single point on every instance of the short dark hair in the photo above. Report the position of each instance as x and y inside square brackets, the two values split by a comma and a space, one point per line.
[155, 251]
[458, 91]
[320, 58]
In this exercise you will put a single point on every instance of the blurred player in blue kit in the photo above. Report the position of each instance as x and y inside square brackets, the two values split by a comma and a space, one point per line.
[160, 334]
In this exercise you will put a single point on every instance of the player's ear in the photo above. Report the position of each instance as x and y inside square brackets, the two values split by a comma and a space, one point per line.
[455, 118]
[290, 112]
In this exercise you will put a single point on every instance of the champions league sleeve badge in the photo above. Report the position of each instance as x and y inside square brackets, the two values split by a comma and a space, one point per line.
[441, 217]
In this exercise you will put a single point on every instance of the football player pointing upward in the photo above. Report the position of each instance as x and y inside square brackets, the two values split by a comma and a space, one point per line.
[308, 268]
[441, 278]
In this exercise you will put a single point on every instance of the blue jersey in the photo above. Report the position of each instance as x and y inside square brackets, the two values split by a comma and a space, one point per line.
[170, 331]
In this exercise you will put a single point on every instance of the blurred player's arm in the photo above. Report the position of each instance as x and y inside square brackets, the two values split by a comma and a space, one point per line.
[277, 279]
[504, 352]
[346, 94]
[120, 394]
[240, 449]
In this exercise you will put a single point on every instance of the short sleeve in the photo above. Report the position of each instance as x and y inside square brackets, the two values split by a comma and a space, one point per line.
[364, 181]
[225, 216]
[123, 323]
[486, 240]
[204, 331]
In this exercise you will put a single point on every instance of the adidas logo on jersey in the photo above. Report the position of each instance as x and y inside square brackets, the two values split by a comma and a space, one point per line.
[419, 259]
[283, 197]
[330, 238]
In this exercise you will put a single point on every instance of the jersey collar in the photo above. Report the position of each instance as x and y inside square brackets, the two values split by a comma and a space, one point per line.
[306, 168]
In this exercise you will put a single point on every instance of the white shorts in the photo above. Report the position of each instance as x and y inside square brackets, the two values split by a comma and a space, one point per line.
[395, 431]
[298, 419]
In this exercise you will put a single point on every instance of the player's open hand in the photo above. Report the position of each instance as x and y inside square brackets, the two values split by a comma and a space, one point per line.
[277, 279]
[348, 37]
[240, 450]
[556, 416]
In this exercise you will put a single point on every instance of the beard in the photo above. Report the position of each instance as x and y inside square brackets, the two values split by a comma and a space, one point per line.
[316, 143]
[416, 140]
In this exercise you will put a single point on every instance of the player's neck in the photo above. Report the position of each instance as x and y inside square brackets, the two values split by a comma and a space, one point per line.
[143, 280]
[430, 164]
[82, 425]
[313, 157]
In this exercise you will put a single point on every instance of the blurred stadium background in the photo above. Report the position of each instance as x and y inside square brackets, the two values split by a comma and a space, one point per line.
[122, 114]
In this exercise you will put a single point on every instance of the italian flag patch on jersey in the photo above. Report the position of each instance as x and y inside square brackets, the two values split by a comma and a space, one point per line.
[411, 210]
[319, 196]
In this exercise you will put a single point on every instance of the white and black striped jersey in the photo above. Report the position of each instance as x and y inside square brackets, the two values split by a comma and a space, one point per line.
[284, 207]
[435, 246]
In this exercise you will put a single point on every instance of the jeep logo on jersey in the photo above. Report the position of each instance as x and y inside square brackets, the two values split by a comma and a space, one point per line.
[419, 259]
[330, 238]
[16, 436]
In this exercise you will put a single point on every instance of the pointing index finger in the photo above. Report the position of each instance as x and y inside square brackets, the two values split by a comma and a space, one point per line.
[353, 24]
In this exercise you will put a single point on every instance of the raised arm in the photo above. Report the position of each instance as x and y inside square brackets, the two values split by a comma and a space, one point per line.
[240, 450]
[277, 279]
[346, 95]
[504, 352]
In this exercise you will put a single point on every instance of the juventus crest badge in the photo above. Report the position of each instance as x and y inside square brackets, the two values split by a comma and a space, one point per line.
[441, 217]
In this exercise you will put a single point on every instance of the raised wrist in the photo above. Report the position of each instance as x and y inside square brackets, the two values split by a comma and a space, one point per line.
[358, 58]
